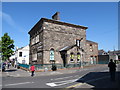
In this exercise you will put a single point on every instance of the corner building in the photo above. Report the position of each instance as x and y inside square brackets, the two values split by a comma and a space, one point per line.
[60, 42]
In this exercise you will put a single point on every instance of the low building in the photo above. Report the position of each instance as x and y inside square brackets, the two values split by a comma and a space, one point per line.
[62, 43]
[22, 55]
[102, 52]
[103, 57]
[115, 55]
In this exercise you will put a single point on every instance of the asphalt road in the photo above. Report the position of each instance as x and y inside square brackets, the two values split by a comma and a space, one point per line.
[84, 78]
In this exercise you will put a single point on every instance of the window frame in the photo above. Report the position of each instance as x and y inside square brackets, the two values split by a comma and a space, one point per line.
[52, 57]
[20, 54]
[72, 57]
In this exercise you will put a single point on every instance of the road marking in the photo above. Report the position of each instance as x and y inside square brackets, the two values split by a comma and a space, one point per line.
[18, 83]
[55, 72]
[64, 77]
[53, 84]
[79, 84]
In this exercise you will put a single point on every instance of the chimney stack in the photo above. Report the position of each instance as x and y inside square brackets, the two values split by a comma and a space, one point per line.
[56, 16]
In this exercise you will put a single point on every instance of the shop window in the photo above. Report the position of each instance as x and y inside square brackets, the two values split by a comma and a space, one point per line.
[72, 57]
[52, 55]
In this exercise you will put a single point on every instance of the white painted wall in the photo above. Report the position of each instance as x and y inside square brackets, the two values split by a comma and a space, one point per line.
[25, 55]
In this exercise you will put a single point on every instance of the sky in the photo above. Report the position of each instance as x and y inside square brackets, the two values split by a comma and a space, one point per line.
[101, 18]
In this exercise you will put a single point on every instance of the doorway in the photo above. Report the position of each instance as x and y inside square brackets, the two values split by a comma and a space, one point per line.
[64, 57]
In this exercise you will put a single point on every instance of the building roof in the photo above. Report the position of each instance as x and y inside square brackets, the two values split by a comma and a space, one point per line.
[57, 22]
[88, 41]
[114, 52]
[63, 23]
[66, 48]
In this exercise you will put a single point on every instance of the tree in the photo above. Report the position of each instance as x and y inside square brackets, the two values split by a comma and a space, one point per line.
[6, 47]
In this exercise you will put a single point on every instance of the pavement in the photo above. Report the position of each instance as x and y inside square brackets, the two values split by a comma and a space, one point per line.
[95, 83]
[22, 73]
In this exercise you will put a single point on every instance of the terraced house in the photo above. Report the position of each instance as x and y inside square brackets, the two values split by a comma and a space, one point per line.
[52, 40]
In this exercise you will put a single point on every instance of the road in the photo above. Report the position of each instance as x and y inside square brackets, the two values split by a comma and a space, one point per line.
[92, 77]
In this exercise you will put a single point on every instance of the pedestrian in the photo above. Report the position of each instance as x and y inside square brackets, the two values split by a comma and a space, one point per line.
[112, 69]
[32, 69]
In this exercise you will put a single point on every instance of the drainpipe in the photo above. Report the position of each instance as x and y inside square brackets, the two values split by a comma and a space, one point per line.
[81, 60]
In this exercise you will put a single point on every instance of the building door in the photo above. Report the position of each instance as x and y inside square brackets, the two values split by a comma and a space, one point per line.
[91, 59]
[64, 56]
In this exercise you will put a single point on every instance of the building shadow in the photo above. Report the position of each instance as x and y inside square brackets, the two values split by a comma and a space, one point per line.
[11, 70]
[95, 80]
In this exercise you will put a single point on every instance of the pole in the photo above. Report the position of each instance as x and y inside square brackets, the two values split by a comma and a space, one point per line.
[81, 61]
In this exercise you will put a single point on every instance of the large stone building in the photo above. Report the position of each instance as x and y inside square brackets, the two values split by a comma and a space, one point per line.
[63, 43]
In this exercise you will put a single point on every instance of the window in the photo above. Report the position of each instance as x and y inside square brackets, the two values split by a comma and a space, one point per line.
[37, 38]
[91, 47]
[78, 57]
[34, 57]
[78, 42]
[20, 54]
[52, 55]
[91, 59]
[23, 61]
[72, 57]
[33, 40]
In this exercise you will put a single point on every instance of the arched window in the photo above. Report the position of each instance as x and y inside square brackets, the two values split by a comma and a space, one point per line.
[78, 57]
[71, 56]
[52, 55]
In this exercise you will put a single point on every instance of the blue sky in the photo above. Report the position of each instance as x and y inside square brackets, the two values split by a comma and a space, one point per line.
[101, 18]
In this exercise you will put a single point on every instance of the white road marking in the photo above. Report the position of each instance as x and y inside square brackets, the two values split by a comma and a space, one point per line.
[55, 72]
[18, 83]
[18, 74]
[65, 77]
[53, 84]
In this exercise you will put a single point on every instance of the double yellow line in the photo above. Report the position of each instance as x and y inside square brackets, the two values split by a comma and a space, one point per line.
[73, 86]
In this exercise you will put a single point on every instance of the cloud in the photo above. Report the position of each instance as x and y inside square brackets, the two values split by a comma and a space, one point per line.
[8, 19]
